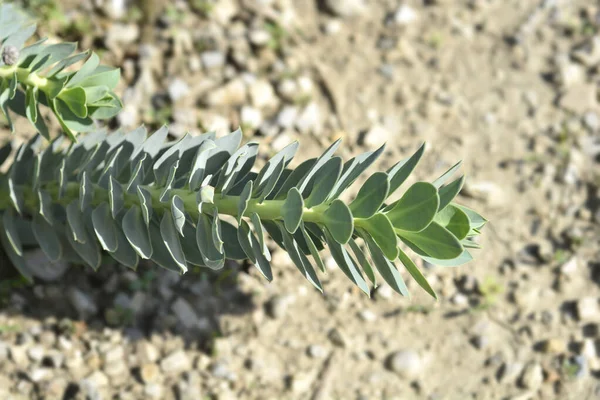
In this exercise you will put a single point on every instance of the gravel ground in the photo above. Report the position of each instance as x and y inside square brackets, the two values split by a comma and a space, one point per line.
[509, 86]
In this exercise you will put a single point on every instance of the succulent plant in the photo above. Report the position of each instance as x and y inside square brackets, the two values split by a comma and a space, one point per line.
[200, 201]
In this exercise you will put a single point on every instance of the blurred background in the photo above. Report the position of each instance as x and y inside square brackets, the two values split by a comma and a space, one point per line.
[508, 86]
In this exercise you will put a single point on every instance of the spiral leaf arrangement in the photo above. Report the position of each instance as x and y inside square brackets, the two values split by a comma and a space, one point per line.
[39, 74]
[199, 201]
[137, 197]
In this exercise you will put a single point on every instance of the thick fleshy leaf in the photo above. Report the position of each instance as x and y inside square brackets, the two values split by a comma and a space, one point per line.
[258, 228]
[145, 204]
[362, 260]
[346, 263]
[448, 193]
[170, 237]
[213, 258]
[299, 259]
[371, 196]
[10, 228]
[115, 197]
[338, 220]
[353, 169]
[386, 268]
[446, 175]
[435, 241]
[160, 253]
[45, 206]
[324, 181]
[455, 220]
[243, 202]
[312, 248]
[291, 180]
[323, 158]
[104, 227]
[17, 260]
[402, 170]
[178, 212]
[244, 239]
[86, 70]
[270, 173]
[292, 209]
[382, 231]
[416, 274]
[125, 253]
[199, 165]
[136, 232]
[76, 223]
[476, 220]
[416, 208]
[85, 192]
[233, 249]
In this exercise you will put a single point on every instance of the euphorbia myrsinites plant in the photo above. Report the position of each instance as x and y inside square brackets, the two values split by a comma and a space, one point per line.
[199, 201]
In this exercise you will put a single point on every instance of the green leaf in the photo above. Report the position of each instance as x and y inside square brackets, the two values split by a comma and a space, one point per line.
[145, 199]
[312, 248]
[76, 224]
[89, 251]
[75, 99]
[178, 212]
[455, 220]
[86, 70]
[170, 237]
[324, 181]
[115, 197]
[95, 93]
[104, 227]
[262, 261]
[324, 158]
[244, 198]
[299, 259]
[292, 209]
[370, 196]
[362, 260]
[448, 193]
[8, 222]
[291, 180]
[125, 254]
[213, 258]
[258, 228]
[243, 237]
[67, 62]
[446, 175]
[216, 232]
[199, 165]
[16, 196]
[51, 54]
[353, 169]
[382, 231]
[435, 241]
[416, 274]
[345, 262]
[46, 237]
[45, 206]
[136, 233]
[464, 258]
[386, 268]
[402, 170]
[338, 220]
[85, 192]
[269, 175]
[416, 208]
[5, 152]
[190, 246]
[160, 253]
[476, 220]
[17, 260]
[103, 76]
[31, 104]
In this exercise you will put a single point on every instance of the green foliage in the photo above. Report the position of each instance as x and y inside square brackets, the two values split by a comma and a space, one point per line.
[40, 74]
[196, 202]
[134, 197]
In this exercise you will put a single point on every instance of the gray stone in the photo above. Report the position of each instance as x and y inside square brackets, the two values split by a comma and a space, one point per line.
[588, 53]
[232, 93]
[259, 37]
[277, 306]
[406, 363]
[262, 94]
[185, 313]
[532, 376]
[337, 337]
[175, 363]
[36, 353]
[316, 351]
[40, 374]
[346, 8]
[251, 117]
[149, 372]
[588, 309]
[178, 89]
[146, 352]
[310, 119]
[579, 98]
[154, 391]
[367, 315]
[83, 303]
[221, 370]
[212, 59]
[120, 35]
[404, 15]
[509, 372]
[286, 118]
[591, 121]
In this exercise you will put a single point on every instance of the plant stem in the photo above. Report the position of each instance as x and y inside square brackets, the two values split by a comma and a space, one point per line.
[228, 205]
